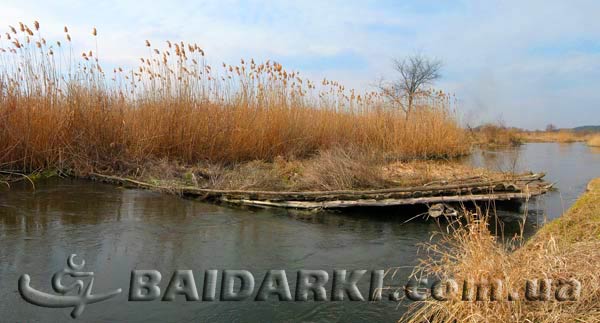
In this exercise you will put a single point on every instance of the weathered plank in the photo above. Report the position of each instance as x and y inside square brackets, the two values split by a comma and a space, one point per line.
[521, 187]
[383, 202]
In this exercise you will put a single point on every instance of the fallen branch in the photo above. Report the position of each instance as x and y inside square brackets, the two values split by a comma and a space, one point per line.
[17, 174]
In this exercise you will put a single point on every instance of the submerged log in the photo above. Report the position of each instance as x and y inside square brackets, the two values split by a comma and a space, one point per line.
[515, 187]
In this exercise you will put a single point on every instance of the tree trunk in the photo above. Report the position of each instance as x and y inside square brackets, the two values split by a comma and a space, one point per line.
[410, 105]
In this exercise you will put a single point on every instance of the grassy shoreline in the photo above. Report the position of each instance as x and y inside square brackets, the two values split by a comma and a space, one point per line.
[565, 248]
[580, 223]
[594, 141]
[333, 169]
[561, 136]
[493, 135]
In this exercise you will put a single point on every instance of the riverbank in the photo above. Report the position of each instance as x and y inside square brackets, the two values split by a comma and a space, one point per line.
[491, 135]
[334, 169]
[333, 179]
[328, 170]
[560, 136]
[566, 248]
[594, 141]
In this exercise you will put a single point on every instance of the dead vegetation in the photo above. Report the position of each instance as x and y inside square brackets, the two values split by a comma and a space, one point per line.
[560, 136]
[594, 141]
[333, 169]
[60, 110]
[566, 248]
[493, 135]
[497, 135]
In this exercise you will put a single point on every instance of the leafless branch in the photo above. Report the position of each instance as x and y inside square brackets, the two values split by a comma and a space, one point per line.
[415, 72]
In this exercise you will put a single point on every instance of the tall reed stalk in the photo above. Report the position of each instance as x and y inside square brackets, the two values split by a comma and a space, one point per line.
[58, 111]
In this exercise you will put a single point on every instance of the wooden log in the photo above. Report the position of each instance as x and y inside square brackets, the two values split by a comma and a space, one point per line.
[191, 189]
[384, 202]
[522, 187]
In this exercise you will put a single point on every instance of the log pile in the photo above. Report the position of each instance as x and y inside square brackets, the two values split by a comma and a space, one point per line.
[514, 187]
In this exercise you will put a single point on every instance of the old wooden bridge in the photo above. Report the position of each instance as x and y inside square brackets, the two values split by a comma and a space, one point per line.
[519, 187]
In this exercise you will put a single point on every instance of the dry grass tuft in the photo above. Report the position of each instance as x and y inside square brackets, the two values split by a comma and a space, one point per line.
[414, 173]
[339, 168]
[569, 247]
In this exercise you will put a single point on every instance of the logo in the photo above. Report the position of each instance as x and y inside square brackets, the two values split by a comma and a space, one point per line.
[310, 285]
[76, 295]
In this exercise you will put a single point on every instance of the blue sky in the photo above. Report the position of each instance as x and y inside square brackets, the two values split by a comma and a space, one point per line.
[526, 63]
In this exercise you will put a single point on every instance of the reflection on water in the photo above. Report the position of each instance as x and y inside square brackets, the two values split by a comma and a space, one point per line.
[570, 166]
[117, 230]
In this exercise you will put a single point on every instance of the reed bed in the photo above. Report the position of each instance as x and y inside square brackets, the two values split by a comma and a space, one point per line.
[60, 110]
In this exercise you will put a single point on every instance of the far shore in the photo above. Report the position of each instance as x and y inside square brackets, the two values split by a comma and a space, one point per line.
[491, 135]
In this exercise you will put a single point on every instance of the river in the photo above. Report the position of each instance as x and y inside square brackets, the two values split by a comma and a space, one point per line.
[117, 230]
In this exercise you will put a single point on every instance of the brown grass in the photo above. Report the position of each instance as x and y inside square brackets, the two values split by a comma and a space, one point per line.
[342, 169]
[594, 141]
[414, 173]
[332, 169]
[69, 114]
[568, 247]
[560, 136]
[496, 135]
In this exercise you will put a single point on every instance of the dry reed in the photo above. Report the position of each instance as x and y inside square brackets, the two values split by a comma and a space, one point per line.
[62, 112]
[567, 248]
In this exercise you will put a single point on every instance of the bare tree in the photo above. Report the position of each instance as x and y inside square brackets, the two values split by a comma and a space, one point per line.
[551, 128]
[414, 72]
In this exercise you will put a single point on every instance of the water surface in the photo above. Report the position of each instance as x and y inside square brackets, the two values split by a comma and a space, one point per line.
[569, 166]
[116, 230]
